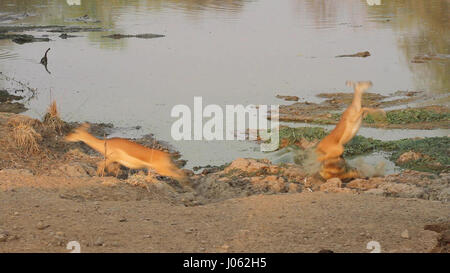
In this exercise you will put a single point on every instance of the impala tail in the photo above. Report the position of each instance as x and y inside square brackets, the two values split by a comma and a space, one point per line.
[79, 134]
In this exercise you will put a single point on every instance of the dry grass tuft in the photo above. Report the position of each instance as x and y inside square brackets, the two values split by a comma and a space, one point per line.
[77, 154]
[26, 138]
[52, 121]
[140, 179]
[53, 109]
[21, 119]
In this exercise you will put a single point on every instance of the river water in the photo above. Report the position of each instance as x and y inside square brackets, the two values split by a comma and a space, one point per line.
[226, 51]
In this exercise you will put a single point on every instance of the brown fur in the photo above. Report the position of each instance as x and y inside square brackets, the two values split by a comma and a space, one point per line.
[126, 153]
[337, 167]
[331, 148]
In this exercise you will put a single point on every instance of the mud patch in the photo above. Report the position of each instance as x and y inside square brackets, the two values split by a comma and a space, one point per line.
[431, 57]
[369, 99]
[363, 54]
[10, 17]
[6, 97]
[65, 36]
[8, 103]
[329, 111]
[141, 36]
[83, 19]
[288, 98]
[23, 38]
[49, 28]
[12, 107]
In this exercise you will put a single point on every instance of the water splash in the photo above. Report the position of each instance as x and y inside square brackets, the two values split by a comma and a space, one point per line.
[372, 165]
[369, 170]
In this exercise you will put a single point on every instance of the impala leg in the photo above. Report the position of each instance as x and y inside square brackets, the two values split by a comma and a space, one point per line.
[332, 152]
[102, 165]
[350, 174]
[113, 168]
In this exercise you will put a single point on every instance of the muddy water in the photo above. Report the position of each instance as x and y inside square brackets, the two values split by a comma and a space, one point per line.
[228, 52]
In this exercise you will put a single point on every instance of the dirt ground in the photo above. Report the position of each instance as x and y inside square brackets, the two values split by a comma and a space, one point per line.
[247, 206]
[104, 215]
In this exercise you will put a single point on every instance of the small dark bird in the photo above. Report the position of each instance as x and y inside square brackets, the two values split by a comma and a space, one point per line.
[44, 60]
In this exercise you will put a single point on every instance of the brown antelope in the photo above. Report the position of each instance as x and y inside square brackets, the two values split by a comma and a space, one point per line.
[126, 153]
[331, 148]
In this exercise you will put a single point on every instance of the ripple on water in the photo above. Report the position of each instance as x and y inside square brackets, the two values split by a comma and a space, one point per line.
[7, 55]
